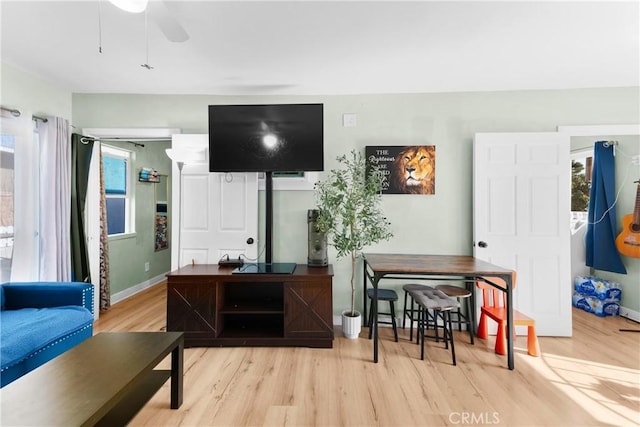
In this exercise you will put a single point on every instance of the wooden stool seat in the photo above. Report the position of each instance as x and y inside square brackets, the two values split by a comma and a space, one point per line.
[454, 291]
[461, 293]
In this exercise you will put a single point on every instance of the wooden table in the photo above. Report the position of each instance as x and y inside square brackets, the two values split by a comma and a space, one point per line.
[104, 380]
[420, 267]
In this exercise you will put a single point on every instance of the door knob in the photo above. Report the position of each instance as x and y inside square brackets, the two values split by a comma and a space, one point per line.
[250, 241]
[482, 244]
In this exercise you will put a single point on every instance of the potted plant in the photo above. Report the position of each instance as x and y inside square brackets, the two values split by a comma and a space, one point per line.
[351, 216]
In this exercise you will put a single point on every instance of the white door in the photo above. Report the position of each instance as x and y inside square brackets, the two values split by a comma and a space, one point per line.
[521, 220]
[219, 211]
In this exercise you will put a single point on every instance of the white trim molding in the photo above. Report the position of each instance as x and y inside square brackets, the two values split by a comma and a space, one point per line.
[132, 133]
[630, 314]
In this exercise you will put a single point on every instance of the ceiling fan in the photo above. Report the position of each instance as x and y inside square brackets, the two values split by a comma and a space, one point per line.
[160, 13]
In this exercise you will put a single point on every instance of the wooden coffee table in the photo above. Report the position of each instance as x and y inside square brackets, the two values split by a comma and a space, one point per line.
[103, 381]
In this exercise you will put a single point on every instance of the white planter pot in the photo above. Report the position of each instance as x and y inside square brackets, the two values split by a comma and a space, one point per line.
[351, 326]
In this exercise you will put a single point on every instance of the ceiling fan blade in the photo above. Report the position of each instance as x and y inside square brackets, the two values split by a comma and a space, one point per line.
[169, 26]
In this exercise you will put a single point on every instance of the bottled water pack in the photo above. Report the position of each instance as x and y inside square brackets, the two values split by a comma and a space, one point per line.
[595, 295]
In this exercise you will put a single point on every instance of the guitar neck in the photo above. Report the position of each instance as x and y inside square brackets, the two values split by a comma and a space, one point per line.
[636, 210]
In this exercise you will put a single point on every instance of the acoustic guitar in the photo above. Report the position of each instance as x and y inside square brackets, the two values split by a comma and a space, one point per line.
[628, 241]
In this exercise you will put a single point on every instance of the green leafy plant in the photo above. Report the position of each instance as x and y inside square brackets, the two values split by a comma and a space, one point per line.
[579, 188]
[350, 214]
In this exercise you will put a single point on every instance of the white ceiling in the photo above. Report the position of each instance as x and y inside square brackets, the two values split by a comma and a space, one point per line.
[327, 47]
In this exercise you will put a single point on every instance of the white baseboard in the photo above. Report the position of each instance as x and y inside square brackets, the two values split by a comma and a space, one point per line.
[129, 292]
[630, 314]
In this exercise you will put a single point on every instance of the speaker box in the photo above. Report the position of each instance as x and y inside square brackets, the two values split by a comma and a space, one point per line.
[317, 241]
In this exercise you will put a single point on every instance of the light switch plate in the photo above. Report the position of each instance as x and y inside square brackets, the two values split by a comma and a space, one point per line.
[349, 120]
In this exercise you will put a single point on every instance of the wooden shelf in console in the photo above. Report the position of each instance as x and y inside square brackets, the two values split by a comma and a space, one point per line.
[214, 307]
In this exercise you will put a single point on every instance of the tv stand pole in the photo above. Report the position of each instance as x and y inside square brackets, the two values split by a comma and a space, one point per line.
[269, 216]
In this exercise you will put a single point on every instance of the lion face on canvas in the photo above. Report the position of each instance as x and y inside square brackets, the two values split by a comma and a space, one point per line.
[414, 170]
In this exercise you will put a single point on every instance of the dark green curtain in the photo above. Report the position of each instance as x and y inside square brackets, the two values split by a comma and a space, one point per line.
[81, 149]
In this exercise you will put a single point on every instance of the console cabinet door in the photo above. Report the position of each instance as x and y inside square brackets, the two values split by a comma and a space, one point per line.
[192, 307]
[308, 309]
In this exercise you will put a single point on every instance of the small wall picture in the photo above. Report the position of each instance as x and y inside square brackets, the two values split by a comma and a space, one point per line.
[409, 169]
[149, 175]
[161, 227]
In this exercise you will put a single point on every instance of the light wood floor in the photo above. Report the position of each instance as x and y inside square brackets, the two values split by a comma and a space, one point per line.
[592, 379]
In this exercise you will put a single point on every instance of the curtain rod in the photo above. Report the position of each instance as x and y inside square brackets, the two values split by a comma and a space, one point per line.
[136, 144]
[135, 138]
[17, 113]
[14, 112]
[87, 139]
[605, 144]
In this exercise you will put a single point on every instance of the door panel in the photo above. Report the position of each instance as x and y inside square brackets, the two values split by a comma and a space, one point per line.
[231, 194]
[522, 210]
[219, 211]
[195, 213]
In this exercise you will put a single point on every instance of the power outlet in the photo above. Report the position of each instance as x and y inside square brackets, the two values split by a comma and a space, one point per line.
[636, 160]
[146, 266]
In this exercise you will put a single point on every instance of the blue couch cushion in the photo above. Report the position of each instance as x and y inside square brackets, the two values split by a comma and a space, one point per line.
[28, 329]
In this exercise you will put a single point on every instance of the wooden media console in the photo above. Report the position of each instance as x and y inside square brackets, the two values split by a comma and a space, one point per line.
[215, 307]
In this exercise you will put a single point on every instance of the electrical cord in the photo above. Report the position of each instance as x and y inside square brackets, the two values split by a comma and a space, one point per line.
[243, 257]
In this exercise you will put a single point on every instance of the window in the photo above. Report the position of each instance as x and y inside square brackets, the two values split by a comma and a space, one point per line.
[117, 165]
[7, 178]
[581, 165]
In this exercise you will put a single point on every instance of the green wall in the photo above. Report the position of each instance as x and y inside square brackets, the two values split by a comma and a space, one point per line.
[128, 254]
[441, 223]
[32, 95]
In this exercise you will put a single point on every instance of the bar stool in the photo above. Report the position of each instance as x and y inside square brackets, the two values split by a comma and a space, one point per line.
[411, 313]
[441, 305]
[460, 293]
[384, 295]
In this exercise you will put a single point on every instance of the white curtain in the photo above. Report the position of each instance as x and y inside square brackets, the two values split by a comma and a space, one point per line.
[55, 200]
[24, 217]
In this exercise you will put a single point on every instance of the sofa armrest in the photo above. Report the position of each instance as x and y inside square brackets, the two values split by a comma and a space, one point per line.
[47, 294]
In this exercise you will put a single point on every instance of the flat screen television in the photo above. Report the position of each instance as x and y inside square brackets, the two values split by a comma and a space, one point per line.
[266, 138]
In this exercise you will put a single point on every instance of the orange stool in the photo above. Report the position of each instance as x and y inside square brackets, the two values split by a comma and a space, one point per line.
[494, 307]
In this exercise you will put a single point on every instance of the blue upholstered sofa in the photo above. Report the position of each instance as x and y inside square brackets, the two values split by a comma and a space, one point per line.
[39, 321]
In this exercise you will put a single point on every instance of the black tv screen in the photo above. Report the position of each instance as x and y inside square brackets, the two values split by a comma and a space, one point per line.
[266, 138]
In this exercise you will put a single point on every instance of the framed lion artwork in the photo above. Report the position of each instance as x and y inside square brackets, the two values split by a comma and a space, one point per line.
[407, 169]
